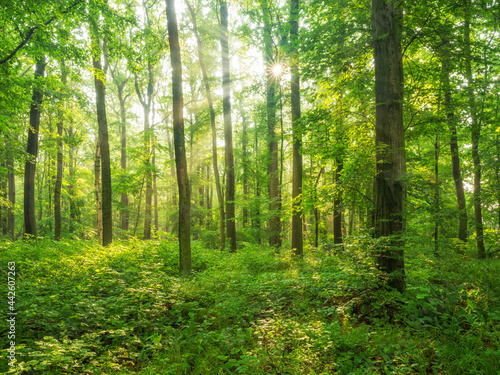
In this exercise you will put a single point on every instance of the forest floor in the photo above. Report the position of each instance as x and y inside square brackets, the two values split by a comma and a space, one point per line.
[84, 309]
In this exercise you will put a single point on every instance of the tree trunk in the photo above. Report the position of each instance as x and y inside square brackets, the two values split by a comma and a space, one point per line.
[274, 203]
[244, 145]
[59, 168]
[218, 187]
[97, 189]
[389, 140]
[179, 143]
[475, 138]
[11, 192]
[30, 229]
[455, 159]
[106, 192]
[297, 237]
[155, 191]
[337, 203]
[436, 196]
[124, 213]
[146, 105]
[71, 186]
[228, 130]
[256, 214]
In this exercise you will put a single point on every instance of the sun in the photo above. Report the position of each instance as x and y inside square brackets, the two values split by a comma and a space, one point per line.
[277, 70]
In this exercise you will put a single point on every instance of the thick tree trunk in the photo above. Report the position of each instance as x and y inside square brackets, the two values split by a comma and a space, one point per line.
[179, 143]
[475, 139]
[389, 140]
[274, 195]
[106, 192]
[218, 187]
[30, 229]
[455, 158]
[228, 130]
[297, 237]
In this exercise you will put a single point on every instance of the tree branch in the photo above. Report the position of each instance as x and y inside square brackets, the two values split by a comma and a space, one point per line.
[32, 30]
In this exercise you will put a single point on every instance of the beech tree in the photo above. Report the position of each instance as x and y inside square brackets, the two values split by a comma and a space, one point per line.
[179, 143]
[389, 140]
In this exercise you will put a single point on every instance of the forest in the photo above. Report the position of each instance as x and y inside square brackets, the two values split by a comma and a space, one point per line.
[238, 187]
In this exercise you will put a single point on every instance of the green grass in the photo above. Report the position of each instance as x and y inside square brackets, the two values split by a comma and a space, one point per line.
[84, 309]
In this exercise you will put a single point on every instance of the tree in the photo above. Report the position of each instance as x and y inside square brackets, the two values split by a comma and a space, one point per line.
[30, 228]
[59, 176]
[228, 130]
[179, 143]
[389, 140]
[297, 244]
[475, 136]
[274, 188]
[208, 94]
[103, 139]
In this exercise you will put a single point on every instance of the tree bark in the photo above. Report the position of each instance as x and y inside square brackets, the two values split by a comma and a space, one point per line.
[30, 229]
[71, 186]
[337, 202]
[218, 187]
[59, 168]
[124, 213]
[179, 143]
[297, 238]
[97, 189]
[475, 139]
[274, 196]
[11, 191]
[389, 140]
[455, 158]
[228, 130]
[244, 145]
[106, 192]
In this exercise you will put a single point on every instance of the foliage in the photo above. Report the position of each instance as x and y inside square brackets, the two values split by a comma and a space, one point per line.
[123, 309]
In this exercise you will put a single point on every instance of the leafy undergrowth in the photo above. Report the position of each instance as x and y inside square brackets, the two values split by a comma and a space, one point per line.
[84, 309]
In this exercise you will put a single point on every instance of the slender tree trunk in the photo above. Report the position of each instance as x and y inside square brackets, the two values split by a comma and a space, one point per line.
[218, 187]
[244, 145]
[256, 215]
[274, 203]
[106, 192]
[436, 196]
[155, 191]
[97, 188]
[11, 192]
[30, 229]
[455, 159]
[59, 168]
[475, 139]
[124, 213]
[180, 150]
[297, 237]
[5, 194]
[337, 202]
[389, 139]
[228, 130]
[71, 186]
